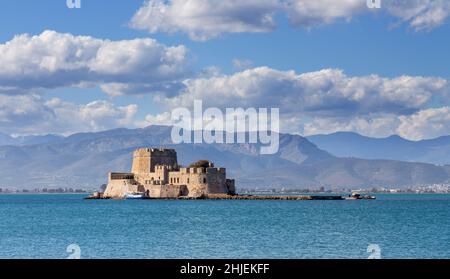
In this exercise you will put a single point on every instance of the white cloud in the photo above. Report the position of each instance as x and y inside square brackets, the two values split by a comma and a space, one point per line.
[373, 125]
[312, 103]
[164, 118]
[32, 114]
[427, 123]
[327, 92]
[23, 110]
[52, 60]
[241, 64]
[307, 13]
[322, 102]
[206, 19]
[424, 124]
[420, 14]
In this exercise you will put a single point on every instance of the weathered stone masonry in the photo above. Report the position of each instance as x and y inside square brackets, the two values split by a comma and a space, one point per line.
[156, 173]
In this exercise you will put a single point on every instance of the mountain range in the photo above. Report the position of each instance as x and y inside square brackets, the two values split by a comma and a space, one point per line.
[348, 144]
[27, 140]
[84, 160]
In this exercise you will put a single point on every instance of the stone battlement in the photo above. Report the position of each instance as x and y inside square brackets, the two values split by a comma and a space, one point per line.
[121, 176]
[154, 151]
[145, 160]
[156, 173]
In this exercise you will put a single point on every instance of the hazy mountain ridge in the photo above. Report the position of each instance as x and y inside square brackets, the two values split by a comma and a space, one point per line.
[85, 159]
[27, 140]
[348, 144]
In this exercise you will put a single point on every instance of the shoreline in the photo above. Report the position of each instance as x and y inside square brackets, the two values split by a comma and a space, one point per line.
[43, 194]
[246, 197]
[246, 194]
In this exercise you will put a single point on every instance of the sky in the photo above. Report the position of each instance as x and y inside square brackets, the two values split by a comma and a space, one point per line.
[327, 65]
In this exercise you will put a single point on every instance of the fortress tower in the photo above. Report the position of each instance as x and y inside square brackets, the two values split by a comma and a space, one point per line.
[146, 159]
[156, 174]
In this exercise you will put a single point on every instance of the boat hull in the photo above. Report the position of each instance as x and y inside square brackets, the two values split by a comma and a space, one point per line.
[134, 197]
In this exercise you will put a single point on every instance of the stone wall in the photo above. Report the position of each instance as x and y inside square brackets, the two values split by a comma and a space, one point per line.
[160, 176]
[146, 159]
[165, 191]
[156, 172]
[217, 180]
[117, 188]
[231, 186]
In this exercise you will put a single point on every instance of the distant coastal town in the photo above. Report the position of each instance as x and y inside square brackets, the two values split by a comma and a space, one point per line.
[423, 189]
[155, 173]
[44, 191]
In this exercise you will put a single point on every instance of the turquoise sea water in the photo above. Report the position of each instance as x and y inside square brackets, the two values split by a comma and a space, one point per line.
[403, 226]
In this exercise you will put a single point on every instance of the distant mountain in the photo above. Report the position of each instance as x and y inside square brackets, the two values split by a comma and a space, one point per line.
[348, 144]
[83, 160]
[5, 139]
[27, 140]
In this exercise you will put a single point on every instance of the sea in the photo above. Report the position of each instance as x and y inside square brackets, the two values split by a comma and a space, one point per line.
[399, 226]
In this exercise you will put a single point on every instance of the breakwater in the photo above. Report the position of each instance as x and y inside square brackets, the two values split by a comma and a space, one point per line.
[270, 197]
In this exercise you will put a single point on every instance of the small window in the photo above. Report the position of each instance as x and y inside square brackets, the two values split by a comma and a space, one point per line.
[204, 180]
[188, 180]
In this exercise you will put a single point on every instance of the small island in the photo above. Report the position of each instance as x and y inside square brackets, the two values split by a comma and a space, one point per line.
[156, 174]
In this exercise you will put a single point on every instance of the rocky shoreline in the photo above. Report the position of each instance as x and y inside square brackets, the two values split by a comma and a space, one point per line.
[98, 196]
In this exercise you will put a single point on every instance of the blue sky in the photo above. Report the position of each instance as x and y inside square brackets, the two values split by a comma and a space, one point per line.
[366, 45]
[359, 43]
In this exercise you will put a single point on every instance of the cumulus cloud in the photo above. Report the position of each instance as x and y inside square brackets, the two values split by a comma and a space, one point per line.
[428, 123]
[373, 125]
[312, 13]
[328, 92]
[420, 14]
[164, 118]
[206, 19]
[329, 99]
[318, 102]
[423, 124]
[52, 60]
[32, 114]
[203, 20]
[321, 102]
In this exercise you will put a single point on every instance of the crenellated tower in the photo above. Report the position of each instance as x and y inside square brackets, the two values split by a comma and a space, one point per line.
[145, 160]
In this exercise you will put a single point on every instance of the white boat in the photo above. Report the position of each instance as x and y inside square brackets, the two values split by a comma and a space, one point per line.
[356, 196]
[134, 196]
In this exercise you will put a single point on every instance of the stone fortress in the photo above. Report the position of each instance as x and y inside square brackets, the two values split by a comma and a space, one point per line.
[155, 173]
